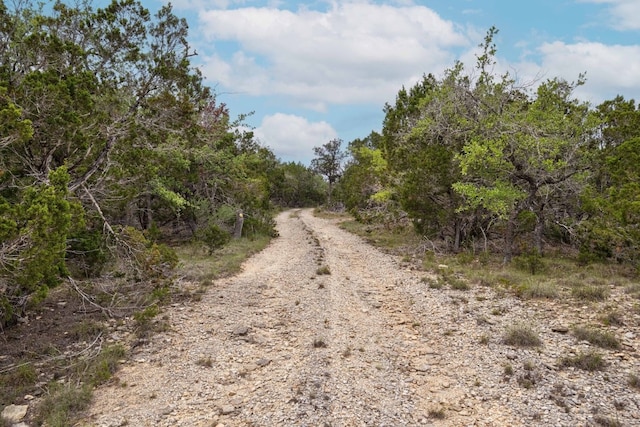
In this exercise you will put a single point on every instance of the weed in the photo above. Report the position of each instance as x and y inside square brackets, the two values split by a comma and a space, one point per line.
[323, 270]
[437, 414]
[17, 382]
[61, 402]
[634, 381]
[530, 377]
[596, 337]
[205, 361]
[530, 262]
[432, 283]
[508, 370]
[604, 421]
[484, 339]
[634, 290]
[87, 329]
[521, 335]
[498, 311]
[542, 290]
[100, 369]
[589, 361]
[319, 342]
[454, 281]
[613, 318]
[590, 292]
[527, 380]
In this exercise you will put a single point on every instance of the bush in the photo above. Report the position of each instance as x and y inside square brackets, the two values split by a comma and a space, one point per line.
[530, 262]
[521, 336]
[259, 226]
[33, 242]
[596, 337]
[87, 253]
[214, 237]
[590, 292]
[590, 361]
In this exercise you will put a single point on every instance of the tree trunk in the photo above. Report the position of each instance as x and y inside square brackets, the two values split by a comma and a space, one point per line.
[538, 230]
[237, 231]
[457, 232]
[509, 237]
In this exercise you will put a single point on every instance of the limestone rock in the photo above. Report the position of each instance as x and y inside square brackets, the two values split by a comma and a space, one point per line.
[15, 413]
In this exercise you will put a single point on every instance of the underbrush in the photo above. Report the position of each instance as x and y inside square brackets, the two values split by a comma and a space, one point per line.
[559, 275]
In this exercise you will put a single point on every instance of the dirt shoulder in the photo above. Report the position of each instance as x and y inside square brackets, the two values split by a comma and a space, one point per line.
[282, 344]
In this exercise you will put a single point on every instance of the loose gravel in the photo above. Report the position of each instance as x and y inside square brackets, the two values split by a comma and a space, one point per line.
[322, 329]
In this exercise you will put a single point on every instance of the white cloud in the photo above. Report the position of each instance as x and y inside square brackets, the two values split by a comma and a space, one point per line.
[625, 14]
[293, 137]
[351, 53]
[611, 69]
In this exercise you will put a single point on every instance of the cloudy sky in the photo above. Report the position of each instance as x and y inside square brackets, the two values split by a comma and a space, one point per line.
[317, 70]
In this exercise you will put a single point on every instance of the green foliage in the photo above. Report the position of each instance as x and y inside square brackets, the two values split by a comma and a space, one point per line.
[611, 232]
[596, 337]
[87, 253]
[61, 403]
[214, 237]
[296, 185]
[530, 261]
[521, 335]
[328, 163]
[34, 243]
[589, 361]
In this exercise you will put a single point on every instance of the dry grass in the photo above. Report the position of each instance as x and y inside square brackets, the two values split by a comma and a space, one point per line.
[521, 335]
[602, 339]
[588, 361]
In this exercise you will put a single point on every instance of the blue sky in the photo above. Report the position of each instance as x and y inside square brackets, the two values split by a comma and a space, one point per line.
[317, 70]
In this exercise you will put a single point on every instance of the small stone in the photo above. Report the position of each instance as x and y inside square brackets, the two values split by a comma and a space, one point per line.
[15, 413]
[29, 397]
[423, 368]
[560, 329]
[263, 362]
[240, 330]
[227, 409]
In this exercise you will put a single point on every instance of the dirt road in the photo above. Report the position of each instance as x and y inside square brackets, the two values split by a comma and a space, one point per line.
[369, 344]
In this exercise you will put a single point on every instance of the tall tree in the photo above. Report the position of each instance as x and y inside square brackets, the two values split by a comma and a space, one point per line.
[328, 163]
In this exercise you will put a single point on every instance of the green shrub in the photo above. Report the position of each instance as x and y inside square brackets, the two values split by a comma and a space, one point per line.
[537, 290]
[530, 262]
[589, 361]
[590, 292]
[34, 229]
[62, 402]
[214, 237]
[596, 337]
[324, 270]
[87, 253]
[521, 335]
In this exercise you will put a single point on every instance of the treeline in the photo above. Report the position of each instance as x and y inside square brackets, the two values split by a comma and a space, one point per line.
[477, 161]
[111, 145]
